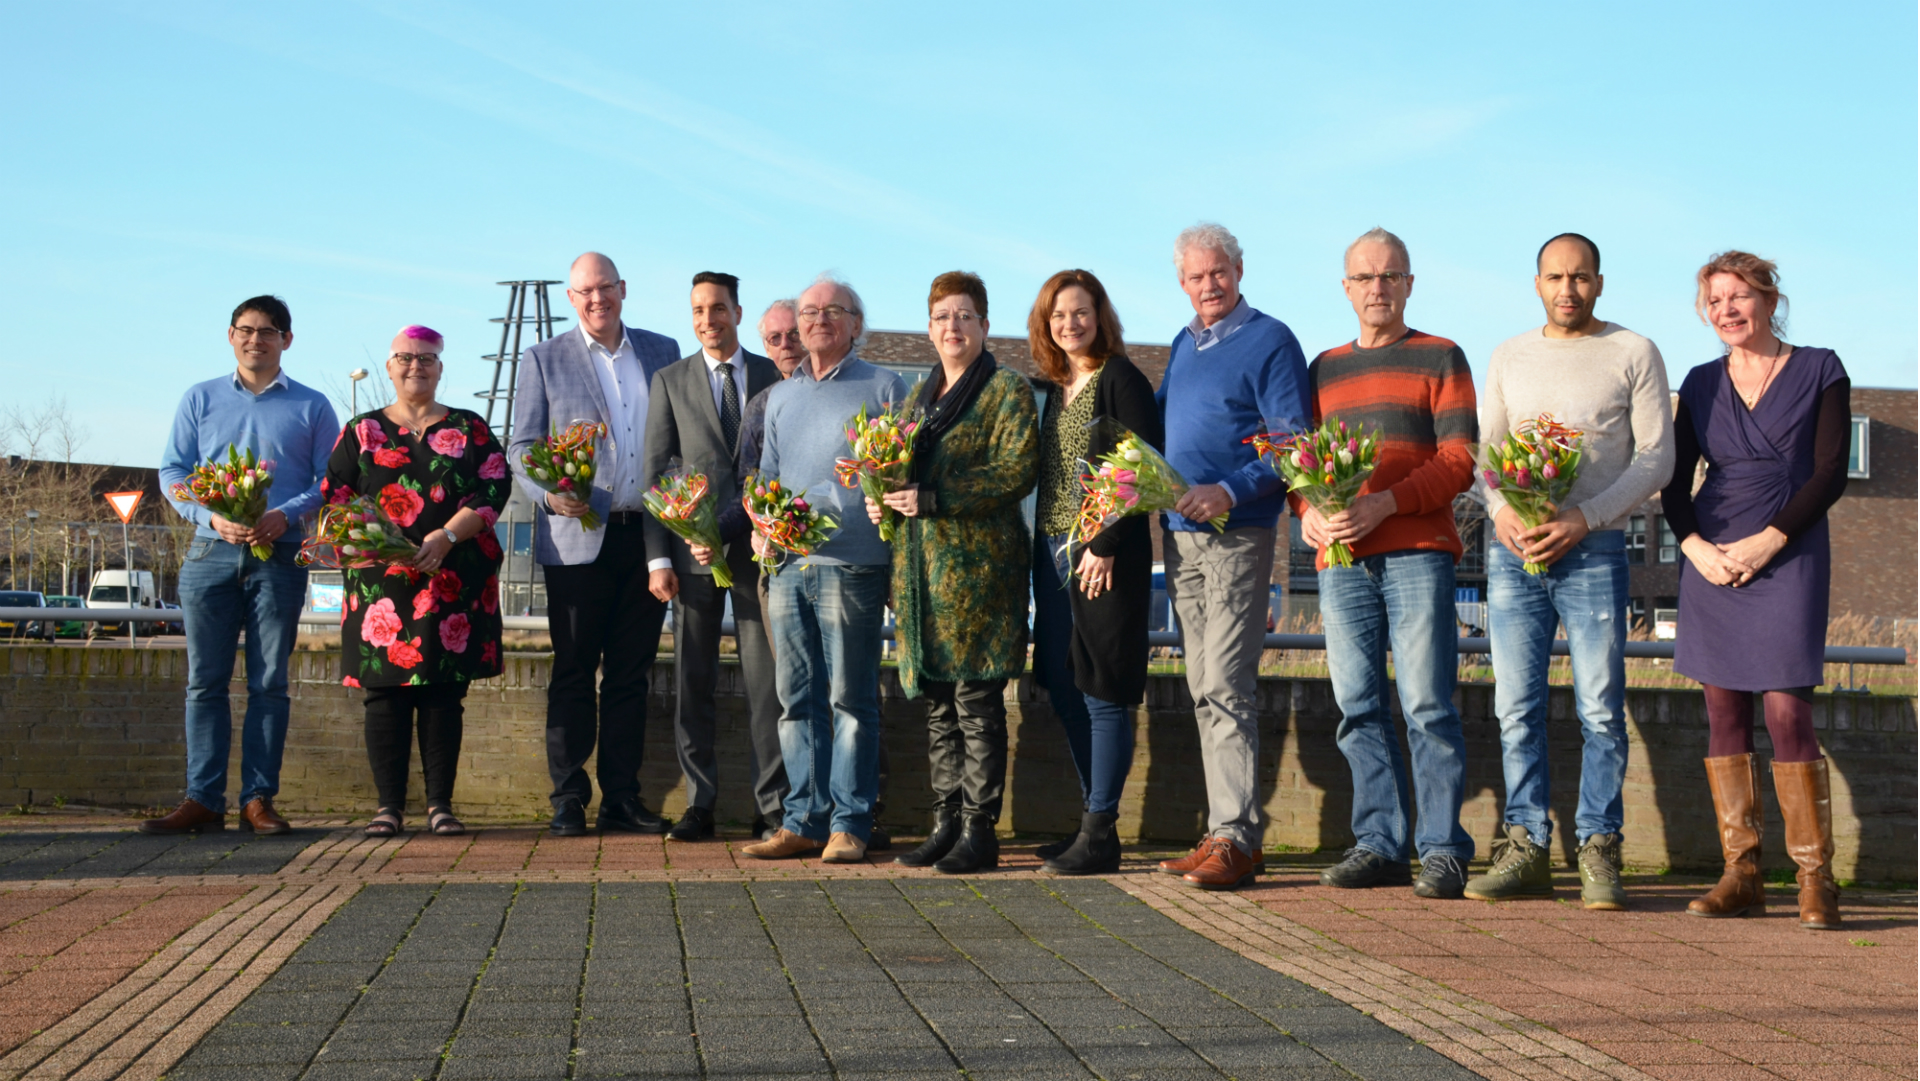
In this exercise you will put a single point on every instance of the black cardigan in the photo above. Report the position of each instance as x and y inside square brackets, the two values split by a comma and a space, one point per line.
[1109, 647]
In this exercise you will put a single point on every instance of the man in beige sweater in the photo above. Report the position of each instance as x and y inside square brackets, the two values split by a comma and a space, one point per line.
[1611, 384]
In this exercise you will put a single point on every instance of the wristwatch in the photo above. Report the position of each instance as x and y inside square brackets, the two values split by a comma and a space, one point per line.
[451, 539]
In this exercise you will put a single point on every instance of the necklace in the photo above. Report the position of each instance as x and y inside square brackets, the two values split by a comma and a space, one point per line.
[1772, 369]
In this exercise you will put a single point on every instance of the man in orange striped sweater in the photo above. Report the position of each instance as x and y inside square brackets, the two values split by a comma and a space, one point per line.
[1417, 391]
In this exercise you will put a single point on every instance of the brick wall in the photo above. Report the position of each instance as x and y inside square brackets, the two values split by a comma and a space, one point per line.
[103, 726]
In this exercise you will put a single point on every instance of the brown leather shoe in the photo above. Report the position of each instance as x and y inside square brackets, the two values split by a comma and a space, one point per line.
[783, 845]
[1735, 782]
[1806, 807]
[259, 816]
[1225, 867]
[1199, 856]
[844, 848]
[189, 817]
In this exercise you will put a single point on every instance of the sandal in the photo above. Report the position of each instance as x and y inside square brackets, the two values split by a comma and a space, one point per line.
[441, 821]
[385, 824]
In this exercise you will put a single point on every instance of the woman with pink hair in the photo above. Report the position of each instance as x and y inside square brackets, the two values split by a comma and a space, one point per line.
[413, 635]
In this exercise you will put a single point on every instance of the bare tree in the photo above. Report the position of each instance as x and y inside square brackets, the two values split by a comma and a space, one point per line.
[46, 497]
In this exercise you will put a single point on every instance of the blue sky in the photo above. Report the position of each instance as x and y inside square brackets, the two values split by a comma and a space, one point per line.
[383, 165]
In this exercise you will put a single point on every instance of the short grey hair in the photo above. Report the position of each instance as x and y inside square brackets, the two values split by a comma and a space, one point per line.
[786, 304]
[828, 277]
[1209, 236]
[1377, 235]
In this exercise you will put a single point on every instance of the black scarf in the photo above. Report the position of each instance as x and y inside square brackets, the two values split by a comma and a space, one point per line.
[939, 412]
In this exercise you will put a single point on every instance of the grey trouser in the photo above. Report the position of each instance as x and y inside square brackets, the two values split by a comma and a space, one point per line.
[697, 614]
[1220, 584]
[967, 744]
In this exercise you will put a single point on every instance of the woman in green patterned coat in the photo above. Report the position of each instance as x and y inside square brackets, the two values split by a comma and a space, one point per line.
[960, 571]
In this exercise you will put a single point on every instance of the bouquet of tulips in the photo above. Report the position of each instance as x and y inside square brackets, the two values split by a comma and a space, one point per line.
[785, 519]
[1533, 469]
[356, 534]
[1130, 479]
[1327, 466]
[882, 458]
[235, 489]
[563, 463]
[683, 501]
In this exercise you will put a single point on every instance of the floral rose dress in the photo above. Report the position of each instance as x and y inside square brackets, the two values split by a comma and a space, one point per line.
[400, 626]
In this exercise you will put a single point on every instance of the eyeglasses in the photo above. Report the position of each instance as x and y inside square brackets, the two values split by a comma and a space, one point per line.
[244, 333]
[592, 291]
[1389, 278]
[788, 336]
[831, 311]
[962, 319]
[424, 360]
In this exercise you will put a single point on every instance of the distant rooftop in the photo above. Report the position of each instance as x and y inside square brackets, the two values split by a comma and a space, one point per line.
[913, 347]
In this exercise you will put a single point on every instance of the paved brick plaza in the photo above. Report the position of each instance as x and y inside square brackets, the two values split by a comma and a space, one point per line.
[508, 954]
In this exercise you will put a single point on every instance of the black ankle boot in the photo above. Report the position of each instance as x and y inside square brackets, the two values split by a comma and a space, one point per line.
[1095, 852]
[1054, 848]
[977, 848]
[946, 830]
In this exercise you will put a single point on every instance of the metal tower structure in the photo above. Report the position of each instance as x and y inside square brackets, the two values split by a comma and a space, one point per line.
[506, 362]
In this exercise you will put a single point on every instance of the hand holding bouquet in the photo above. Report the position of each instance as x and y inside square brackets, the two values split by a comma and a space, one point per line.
[235, 489]
[1327, 466]
[786, 521]
[1130, 479]
[563, 463]
[1533, 470]
[356, 534]
[683, 501]
[882, 458]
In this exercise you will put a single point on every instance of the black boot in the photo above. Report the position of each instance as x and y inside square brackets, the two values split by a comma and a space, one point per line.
[1095, 852]
[1054, 848]
[977, 848]
[946, 830]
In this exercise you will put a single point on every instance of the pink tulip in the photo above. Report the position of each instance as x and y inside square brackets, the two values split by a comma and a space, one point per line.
[800, 505]
[1492, 478]
[268, 465]
[1304, 459]
[1524, 478]
[1126, 476]
[1549, 471]
[233, 491]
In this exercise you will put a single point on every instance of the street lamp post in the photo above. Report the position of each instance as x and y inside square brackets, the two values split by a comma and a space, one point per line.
[355, 376]
[93, 537]
[33, 564]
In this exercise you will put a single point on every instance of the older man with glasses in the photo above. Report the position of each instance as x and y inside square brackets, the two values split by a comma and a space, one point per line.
[827, 608]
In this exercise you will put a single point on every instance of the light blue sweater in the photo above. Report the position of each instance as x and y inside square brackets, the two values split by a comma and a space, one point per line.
[290, 423]
[807, 430]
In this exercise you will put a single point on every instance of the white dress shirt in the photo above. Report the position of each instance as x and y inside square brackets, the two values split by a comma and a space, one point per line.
[623, 383]
[735, 369]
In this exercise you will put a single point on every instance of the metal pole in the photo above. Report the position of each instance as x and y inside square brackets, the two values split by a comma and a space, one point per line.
[126, 539]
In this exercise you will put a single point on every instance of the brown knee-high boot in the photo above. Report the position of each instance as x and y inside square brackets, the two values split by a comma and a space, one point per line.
[1807, 810]
[1735, 781]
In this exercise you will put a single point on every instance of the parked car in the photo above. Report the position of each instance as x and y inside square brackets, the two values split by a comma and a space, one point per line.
[121, 589]
[68, 628]
[176, 626]
[22, 598]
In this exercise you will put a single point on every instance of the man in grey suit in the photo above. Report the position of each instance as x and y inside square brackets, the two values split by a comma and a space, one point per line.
[607, 588]
[695, 414]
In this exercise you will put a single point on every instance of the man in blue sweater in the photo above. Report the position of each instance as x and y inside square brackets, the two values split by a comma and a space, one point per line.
[1234, 371]
[224, 588]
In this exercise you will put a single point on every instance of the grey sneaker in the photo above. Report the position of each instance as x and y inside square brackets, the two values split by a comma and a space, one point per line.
[1441, 876]
[1363, 868]
[1600, 873]
[1519, 870]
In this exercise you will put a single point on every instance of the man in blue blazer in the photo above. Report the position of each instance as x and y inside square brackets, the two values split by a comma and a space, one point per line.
[606, 590]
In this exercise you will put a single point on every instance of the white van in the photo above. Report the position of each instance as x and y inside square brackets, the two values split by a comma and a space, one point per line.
[110, 590]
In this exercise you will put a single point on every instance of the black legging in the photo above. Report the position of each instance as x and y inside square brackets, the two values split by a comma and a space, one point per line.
[390, 726]
[1789, 722]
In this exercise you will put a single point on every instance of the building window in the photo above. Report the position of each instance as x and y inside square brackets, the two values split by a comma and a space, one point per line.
[522, 538]
[1637, 539]
[1669, 548]
[1639, 611]
[1666, 618]
[1859, 461]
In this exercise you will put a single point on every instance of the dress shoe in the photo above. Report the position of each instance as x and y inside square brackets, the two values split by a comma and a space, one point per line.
[189, 817]
[977, 849]
[260, 817]
[695, 825]
[630, 815]
[1199, 856]
[946, 830]
[1363, 868]
[783, 845]
[1225, 868]
[764, 828]
[844, 848]
[569, 819]
[879, 840]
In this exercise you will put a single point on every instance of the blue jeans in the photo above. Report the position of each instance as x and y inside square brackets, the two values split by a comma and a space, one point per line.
[1099, 733]
[224, 590]
[1586, 592]
[1402, 600]
[826, 628]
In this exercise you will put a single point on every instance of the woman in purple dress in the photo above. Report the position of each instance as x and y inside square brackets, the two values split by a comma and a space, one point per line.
[1771, 420]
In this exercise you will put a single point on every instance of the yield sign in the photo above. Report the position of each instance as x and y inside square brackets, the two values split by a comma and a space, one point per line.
[123, 504]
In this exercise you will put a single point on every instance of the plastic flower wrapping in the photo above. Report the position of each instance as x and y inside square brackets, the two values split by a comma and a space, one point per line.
[683, 501]
[1327, 465]
[564, 463]
[790, 525]
[235, 489]
[356, 534]
[882, 458]
[1533, 470]
[1130, 479]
